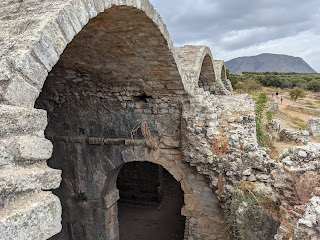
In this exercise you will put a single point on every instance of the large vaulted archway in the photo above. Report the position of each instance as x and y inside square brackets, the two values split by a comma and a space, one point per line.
[112, 88]
[113, 92]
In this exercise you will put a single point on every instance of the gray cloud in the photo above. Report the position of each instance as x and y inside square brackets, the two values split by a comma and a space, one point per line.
[232, 27]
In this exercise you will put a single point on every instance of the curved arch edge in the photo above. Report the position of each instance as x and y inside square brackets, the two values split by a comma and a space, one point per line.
[27, 70]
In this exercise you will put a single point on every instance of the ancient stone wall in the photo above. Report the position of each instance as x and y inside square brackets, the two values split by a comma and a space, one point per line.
[22, 77]
[27, 212]
[115, 90]
[313, 126]
[198, 70]
[310, 111]
[298, 183]
[223, 84]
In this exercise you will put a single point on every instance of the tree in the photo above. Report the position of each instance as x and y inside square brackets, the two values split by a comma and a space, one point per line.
[314, 85]
[296, 93]
[234, 81]
[286, 84]
[227, 72]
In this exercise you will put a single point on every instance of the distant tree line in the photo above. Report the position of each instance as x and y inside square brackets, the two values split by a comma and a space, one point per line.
[306, 81]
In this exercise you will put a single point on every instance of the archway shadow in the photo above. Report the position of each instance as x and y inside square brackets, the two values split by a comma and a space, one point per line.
[150, 203]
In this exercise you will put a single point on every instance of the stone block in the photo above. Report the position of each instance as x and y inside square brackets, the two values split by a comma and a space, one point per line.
[167, 142]
[81, 12]
[29, 67]
[26, 148]
[17, 180]
[111, 198]
[55, 34]
[66, 25]
[91, 8]
[36, 217]
[20, 93]
[191, 202]
[15, 121]
[46, 52]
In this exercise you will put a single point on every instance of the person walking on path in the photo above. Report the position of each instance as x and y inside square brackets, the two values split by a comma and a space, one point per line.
[272, 95]
[281, 99]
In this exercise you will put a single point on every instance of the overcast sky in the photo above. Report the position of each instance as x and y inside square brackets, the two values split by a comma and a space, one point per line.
[235, 28]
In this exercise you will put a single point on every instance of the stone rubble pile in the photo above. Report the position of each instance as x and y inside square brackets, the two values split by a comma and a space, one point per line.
[300, 136]
[273, 128]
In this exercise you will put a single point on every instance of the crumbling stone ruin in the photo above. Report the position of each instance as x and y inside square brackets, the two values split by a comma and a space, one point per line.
[96, 86]
[313, 126]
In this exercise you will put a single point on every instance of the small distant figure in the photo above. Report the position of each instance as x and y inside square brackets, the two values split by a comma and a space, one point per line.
[272, 95]
[277, 94]
[281, 99]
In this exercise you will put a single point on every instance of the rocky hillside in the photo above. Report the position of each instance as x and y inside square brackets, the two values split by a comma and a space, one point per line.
[267, 62]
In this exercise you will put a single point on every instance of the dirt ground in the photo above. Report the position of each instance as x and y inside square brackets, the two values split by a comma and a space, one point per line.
[293, 119]
[164, 223]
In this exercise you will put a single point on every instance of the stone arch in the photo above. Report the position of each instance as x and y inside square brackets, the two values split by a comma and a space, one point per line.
[201, 206]
[221, 75]
[207, 75]
[149, 193]
[24, 68]
[197, 65]
[118, 71]
[24, 71]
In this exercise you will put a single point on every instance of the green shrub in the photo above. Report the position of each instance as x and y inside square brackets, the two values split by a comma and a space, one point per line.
[228, 73]
[234, 81]
[259, 110]
[286, 84]
[283, 80]
[314, 85]
[270, 115]
[296, 93]
[248, 85]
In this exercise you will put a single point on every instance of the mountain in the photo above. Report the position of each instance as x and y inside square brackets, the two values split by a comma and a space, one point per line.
[267, 62]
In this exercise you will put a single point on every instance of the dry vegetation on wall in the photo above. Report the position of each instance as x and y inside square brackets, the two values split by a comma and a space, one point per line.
[250, 215]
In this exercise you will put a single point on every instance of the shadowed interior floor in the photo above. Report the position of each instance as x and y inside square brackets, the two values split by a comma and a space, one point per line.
[155, 223]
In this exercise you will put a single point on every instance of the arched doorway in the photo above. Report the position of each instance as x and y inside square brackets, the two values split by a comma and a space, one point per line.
[150, 203]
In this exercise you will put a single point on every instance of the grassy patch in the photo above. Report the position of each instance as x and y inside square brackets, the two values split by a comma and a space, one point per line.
[297, 123]
[309, 105]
